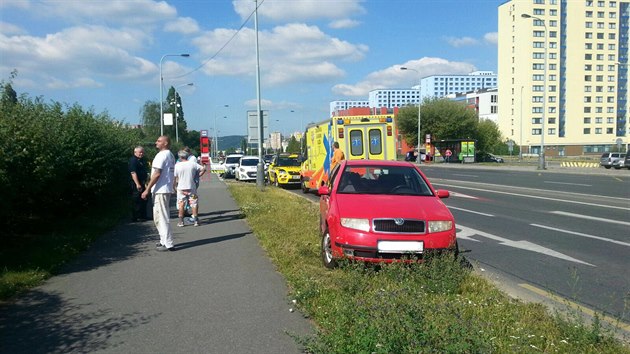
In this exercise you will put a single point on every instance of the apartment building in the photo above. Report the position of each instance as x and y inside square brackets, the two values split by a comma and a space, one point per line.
[562, 70]
[336, 106]
[444, 85]
[484, 102]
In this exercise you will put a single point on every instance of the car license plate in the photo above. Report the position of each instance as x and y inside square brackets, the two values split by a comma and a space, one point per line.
[295, 177]
[400, 246]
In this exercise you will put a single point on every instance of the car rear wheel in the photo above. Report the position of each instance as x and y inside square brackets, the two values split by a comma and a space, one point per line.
[607, 167]
[276, 182]
[304, 187]
[327, 256]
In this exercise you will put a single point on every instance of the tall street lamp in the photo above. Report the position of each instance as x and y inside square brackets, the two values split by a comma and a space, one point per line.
[177, 109]
[520, 141]
[541, 157]
[419, 105]
[161, 89]
[216, 134]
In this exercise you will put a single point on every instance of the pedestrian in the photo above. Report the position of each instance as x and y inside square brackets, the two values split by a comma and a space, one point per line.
[193, 158]
[338, 156]
[161, 185]
[138, 173]
[186, 173]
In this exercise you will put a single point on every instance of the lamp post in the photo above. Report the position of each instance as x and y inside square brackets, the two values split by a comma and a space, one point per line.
[161, 89]
[216, 134]
[541, 157]
[177, 109]
[419, 116]
[520, 141]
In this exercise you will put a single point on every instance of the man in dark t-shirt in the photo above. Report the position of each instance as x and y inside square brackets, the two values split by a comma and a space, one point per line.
[138, 174]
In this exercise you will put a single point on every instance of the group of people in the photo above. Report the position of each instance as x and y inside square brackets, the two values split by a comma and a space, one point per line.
[168, 177]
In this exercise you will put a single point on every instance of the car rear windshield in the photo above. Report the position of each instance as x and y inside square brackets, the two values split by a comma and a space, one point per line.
[395, 180]
[232, 159]
[286, 161]
[249, 162]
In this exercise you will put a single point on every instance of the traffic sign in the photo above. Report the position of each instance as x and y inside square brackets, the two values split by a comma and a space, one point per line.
[448, 153]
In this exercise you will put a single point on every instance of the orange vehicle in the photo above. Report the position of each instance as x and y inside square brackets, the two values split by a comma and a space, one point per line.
[361, 136]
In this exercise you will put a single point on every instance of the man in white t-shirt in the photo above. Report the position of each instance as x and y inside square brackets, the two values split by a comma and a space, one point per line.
[161, 185]
[187, 173]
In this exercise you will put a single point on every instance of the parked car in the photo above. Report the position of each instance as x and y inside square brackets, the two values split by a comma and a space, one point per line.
[626, 161]
[380, 211]
[619, 164]
[247, 168]
[487, 157]
[284, 170]
[609, 158]
[230, 164]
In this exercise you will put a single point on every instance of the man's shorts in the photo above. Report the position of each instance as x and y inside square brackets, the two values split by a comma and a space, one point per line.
[186, 194]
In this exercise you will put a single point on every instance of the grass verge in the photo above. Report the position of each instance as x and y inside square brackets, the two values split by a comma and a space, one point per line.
[27, 260]
[433, 307]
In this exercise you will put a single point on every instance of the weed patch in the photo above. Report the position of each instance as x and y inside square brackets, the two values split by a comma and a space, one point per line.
[436, 306]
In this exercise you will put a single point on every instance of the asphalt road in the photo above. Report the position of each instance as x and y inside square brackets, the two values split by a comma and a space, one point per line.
[561, 231]
[216, 293]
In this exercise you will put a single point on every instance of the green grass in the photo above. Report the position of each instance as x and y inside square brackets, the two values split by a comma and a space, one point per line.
[27, 260]
[433, 307]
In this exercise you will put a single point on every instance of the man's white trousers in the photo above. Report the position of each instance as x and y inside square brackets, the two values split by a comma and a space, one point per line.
[161, 218]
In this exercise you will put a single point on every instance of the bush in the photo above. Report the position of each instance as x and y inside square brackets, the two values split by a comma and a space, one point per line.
[56, 162]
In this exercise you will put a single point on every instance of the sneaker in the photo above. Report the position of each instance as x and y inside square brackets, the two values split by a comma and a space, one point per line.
[180, 224]
[196, 223]
[159, 244]
[163, 249]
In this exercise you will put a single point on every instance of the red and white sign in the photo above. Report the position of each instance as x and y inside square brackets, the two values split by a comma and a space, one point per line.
[448, 153]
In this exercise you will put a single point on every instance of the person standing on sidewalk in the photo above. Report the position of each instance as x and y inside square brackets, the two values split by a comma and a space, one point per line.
[138, 173]
[161, 185]
[187, 173]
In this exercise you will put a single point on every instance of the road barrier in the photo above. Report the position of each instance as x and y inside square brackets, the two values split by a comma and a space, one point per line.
[579, 164]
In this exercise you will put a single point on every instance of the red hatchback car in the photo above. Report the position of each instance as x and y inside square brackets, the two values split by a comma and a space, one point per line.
[379, 211]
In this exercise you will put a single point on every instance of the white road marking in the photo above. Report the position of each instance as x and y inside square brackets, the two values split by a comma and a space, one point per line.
[590, 218]
[583, 235]
[537, 197]
[463, 175]
[466, 233]
[570, 184]
[462, 195]
[470, 211]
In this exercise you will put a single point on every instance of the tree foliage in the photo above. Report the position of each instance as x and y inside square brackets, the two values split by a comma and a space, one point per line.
[444, 119]
[293, 146]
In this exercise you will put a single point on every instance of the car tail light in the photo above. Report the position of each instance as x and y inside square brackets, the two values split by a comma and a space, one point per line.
[389, 130]
[340, 133]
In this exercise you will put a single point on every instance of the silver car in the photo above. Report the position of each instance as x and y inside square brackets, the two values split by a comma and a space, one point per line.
[231, 164]
[608, 159]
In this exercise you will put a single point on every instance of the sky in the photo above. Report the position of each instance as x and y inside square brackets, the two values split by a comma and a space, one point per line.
[105, 55]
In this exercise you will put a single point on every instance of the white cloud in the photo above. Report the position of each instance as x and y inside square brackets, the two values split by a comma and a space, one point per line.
[77, 56]
[461, 42]
[8, 28]
[344, 23]
[300, 10]
[264, 104]
[183, 25]
[137, 12]
[394, 77]
[20, 4]
[491, 37]
[290, 53]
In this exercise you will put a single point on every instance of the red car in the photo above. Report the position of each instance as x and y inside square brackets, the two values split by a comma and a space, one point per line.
[379, 211]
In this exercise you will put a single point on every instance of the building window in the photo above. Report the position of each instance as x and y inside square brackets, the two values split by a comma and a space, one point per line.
[553, 12]
[609, 130]
[493, 109]
[588, 24]
[551, 131]
[540, 12]
[587, 120]
[588, 46]
[588, 67]
[538, 66]
[599, 120]
[552, 99]
[588, 56]
[587, 131]
[589, 14]
[538, 77]
[539, 33]
[587, 99]
[537, 110]
[610, 99]
[536, 120]
[611, 36]
[539, 55]
[536, 131]
[587, 109]
[551, 120]
[610, 120]
[611, 57]
[539, 44]
[537, 99]
[587, 88]
[552, 109]
[598, 130]
[589, 3]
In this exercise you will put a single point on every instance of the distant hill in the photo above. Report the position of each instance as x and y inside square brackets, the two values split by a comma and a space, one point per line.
[231, 141]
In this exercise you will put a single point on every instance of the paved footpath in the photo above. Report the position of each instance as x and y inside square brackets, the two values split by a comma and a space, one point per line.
[216, 293]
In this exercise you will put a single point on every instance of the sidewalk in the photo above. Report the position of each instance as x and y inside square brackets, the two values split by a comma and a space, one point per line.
[216, 293]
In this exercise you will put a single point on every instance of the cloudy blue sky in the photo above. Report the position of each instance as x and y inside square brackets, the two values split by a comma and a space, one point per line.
[106, 54]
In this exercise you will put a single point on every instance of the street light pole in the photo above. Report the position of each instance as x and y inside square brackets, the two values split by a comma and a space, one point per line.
[520, 141]
[541, 158]
[419, 159]
[161, 89]
[177, 110]
[260, 169]
[216, 134]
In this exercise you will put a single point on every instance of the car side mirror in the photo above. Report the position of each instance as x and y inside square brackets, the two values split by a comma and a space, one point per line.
[323, 190]
[442, 193]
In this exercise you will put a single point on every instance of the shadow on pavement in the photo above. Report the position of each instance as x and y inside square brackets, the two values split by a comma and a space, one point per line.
[196, 243]
[57, 326]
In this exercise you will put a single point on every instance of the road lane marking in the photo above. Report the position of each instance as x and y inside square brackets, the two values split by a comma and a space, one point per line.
[590, 218]
[538, 197]
[463, 175]
[570, 184]
[575, 306]
[583, 235]
[462, 195]
[466, 233]
[470, 211]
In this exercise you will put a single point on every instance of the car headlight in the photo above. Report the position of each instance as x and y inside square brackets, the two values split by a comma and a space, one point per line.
[241, 169]
[357, 224]
[282, 172]
[439, 226]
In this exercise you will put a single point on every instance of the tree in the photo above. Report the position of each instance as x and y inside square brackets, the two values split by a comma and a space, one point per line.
[488, 137]
[8, 95]
[150, 113]
[294, 146]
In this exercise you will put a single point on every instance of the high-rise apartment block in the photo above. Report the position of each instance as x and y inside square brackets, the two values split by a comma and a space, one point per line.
[563, 66]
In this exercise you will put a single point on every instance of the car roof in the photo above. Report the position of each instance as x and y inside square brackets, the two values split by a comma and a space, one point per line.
[234, 155]
[378, 163]
[249, 157]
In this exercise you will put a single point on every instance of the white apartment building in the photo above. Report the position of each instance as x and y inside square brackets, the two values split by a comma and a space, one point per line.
[444, 85]
[391, 98]
[484, 102]
[563, 73]
[336, 106]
